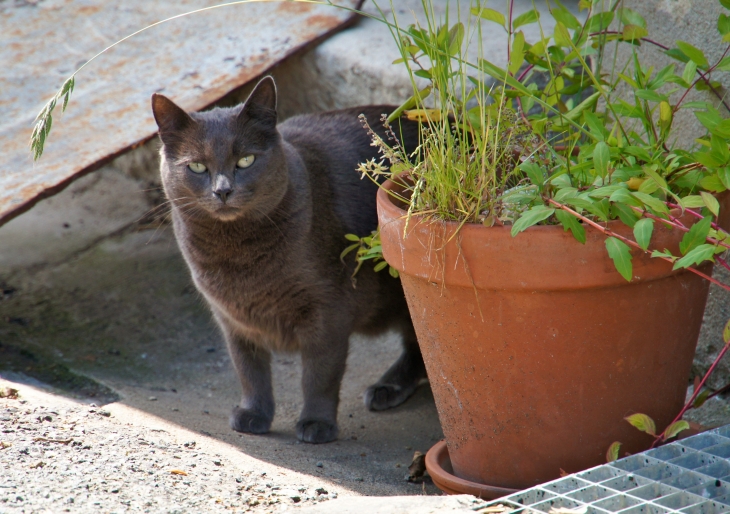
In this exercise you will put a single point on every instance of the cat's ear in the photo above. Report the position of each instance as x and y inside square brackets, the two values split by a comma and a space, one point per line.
[260, 106]
[169, 117]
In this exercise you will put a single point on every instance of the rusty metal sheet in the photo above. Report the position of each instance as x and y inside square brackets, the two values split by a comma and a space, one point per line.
[196, 60]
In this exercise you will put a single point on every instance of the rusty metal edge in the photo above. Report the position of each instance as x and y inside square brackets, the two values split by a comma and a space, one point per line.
[54, 190]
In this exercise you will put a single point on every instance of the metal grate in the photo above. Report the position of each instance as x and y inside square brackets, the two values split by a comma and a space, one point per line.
[691, 476]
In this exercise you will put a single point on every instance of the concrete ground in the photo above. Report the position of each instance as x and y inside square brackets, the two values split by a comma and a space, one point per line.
[96, 301]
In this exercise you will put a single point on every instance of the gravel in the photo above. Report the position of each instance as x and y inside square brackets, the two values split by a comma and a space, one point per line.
[60, 456]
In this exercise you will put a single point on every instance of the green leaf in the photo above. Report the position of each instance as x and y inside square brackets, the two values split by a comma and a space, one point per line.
[535, 173]
[647, 94]
[348, 250]
[526, 18]
[674, 429]
[517, 57]
[658, 179]
[565, 17]
[619, 252]
[639, 152]
[723, 24]
[599, 22]
[591, 206]
[571, 223]
[693, 53]
[379, 266]
[702, 253]
[612, 453]
[723, 65]
[719, 148]
[624, 196]
[642, 232]
[725, 3]
[625, 213]
[393, 272]
[601, 158]
[696, 236]
[653, 203]
[726, 332]
[596, 126]
[531, 217]
[565, 192]
[711, 202]
[606, 191]
[643, 423]
[676, 53]
[633, 32]
[690, 69]
[562, 36]
[491, 15]
[666, 253]
[648, 187]
[713, 183]
[701, 399]
[661, 77]
[352, 237]
[456, 38]
[631, 17]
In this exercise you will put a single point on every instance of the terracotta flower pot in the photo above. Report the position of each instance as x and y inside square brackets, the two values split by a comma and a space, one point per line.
[536, 348]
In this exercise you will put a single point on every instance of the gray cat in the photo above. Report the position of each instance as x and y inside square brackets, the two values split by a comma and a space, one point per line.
[260, 211]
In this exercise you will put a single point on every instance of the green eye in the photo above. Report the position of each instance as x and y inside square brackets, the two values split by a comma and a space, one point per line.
[245, 162]
[196, 167]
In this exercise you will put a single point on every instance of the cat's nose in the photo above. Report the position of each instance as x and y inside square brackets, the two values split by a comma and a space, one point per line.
[223, 192]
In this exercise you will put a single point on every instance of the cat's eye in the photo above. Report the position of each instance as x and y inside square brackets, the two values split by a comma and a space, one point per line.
[196, 167]
[245, 162]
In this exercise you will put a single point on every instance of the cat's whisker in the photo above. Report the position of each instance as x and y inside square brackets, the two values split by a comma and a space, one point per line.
[262, 213]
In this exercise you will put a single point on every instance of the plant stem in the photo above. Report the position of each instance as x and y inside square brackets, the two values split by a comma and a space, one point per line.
[629, 242]
[676, 224]
[695, 393]
[693, 213]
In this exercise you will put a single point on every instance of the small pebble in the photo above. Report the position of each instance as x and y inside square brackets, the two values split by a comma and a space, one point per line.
[320, 465]
[152, 398]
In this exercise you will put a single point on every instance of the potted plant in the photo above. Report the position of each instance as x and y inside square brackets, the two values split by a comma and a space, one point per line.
[554, 239]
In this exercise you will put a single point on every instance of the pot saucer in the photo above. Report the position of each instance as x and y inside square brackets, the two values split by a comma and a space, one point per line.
[439, 468]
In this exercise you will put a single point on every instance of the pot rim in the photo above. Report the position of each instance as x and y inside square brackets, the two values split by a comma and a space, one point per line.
[542, 258]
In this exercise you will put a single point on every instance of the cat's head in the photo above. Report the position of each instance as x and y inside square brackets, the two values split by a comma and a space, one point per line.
[226, 163]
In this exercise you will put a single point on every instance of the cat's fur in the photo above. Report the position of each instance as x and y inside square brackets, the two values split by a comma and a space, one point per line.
[263, 245]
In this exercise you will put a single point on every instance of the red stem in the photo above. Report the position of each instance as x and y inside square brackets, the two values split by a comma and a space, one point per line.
[723, 263]
[677, 224]
[629, 242]
[695, 393]
[693, 213]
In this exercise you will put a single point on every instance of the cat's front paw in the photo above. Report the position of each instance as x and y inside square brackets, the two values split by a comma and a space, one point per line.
[316, 431]
[386, 396]
[250, 422]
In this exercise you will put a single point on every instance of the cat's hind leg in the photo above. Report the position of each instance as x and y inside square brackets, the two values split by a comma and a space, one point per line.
[253, 365]
[402, 378]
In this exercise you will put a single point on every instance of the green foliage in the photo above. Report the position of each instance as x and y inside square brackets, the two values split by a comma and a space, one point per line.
[674, 429]
[643, 423]
[602, 144]
[612, 453]
[44, 120]
[620, 253]
[367, 248]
